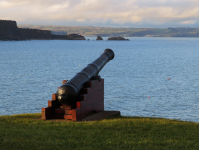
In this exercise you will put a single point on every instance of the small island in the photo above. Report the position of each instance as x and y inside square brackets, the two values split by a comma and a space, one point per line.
[99, 38]
[118, 39]
[10, 32]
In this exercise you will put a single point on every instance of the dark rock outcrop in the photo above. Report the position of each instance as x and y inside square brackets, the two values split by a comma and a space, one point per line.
[118, 38]
[68, 37]
[99, 38]
[10, 31]
[8, 25]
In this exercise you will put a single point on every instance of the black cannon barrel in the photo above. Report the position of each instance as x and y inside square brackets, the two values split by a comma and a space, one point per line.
[68, 92]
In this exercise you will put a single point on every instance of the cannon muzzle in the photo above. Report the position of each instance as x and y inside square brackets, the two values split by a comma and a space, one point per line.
[68, 92]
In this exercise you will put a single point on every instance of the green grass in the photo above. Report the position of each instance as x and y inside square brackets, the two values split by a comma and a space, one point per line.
[26, 132]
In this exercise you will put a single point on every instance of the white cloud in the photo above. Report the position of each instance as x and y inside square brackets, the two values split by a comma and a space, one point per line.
[151, 12]
[188, 22]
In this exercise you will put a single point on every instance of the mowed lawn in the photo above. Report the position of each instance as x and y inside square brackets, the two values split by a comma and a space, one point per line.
[20, 132]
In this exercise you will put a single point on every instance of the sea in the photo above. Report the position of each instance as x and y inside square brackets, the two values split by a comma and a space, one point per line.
[148, 77]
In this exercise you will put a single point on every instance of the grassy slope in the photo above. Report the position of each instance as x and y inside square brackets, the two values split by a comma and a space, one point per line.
[25, 132]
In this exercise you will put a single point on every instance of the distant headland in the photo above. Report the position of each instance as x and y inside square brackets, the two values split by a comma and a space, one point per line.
[10, 31]
[91, 31]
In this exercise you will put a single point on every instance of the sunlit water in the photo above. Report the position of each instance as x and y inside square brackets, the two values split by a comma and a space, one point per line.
[136, 80]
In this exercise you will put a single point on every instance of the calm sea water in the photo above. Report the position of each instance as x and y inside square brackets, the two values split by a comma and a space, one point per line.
[136, 80]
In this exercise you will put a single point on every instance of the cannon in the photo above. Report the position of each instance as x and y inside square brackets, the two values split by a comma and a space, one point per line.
[68, 92]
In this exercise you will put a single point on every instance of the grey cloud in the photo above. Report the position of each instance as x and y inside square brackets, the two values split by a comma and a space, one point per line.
[167, 3]
[112, 12]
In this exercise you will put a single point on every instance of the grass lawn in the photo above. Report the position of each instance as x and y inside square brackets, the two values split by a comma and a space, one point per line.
[20, 132]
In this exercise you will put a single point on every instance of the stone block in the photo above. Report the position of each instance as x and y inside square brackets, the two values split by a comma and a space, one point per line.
[54, 96]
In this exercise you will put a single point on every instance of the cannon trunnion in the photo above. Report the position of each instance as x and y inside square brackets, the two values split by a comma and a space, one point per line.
[68, 92]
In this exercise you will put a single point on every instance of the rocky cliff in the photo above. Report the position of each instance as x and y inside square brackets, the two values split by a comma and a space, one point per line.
[99, 38]
[10, 31]
[118, 38]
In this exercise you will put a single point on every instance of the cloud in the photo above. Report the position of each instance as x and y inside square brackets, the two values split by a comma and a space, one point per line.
[188, 22]
[102, 12]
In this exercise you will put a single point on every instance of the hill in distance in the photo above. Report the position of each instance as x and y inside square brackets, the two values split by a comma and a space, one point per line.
[9, 31]
[115, 32]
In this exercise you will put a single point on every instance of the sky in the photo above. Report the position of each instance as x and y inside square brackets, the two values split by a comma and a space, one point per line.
[103, 13]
